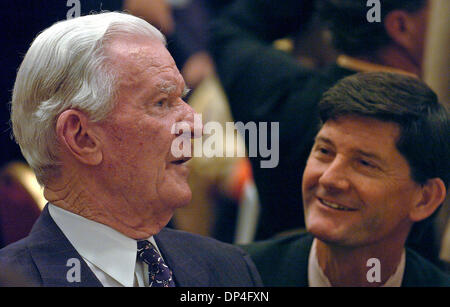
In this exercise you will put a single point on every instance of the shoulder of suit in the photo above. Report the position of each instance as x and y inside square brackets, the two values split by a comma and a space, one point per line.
[17, 266]
[284, 245]
[14, 251]
[420, 272]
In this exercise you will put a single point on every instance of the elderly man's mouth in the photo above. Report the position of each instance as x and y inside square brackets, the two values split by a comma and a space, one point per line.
[181, 161]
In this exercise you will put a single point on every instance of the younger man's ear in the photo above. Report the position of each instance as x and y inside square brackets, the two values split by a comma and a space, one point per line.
[77, 137]
[433, 195]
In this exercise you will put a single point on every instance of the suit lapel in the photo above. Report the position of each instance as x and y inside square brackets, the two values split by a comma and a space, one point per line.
[178, 256]
[55, 257]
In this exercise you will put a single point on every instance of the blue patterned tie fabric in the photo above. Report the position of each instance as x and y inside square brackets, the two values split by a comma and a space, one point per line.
[158, 272]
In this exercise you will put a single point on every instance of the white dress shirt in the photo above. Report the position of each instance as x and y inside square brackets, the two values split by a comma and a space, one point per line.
[108, 253]
[317, 278]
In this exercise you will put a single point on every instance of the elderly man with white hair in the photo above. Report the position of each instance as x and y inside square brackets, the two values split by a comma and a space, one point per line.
[93, 108]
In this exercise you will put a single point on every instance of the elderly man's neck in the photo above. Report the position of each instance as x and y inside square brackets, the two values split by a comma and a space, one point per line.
[82, 195]
[348, 266]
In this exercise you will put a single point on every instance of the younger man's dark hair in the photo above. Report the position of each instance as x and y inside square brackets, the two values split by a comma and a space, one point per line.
[424, 123]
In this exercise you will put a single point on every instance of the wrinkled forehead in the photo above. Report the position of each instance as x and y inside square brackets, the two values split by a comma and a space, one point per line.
[136, 59]
[138, 54]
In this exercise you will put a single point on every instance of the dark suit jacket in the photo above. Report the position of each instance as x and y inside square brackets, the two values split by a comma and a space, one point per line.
[41, 259]
[284, 262]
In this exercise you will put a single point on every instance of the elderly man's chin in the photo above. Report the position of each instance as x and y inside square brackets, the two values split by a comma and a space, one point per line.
[176, 192]
[180, 199]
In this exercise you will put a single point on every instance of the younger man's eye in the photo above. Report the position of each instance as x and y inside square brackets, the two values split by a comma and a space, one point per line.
[366, 163]
[322, 150]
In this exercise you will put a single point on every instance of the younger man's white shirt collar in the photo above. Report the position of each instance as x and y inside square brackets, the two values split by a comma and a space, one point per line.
[109, 253]
[317, 278]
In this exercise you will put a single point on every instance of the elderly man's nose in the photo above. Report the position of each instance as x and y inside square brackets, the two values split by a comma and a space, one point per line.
[189, 122]
[194, 120]
[197, 130]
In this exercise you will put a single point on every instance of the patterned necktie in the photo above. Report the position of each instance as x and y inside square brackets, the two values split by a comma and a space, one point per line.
[158, 272]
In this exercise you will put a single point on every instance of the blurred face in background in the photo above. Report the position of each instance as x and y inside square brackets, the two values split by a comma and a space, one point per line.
[420, 21]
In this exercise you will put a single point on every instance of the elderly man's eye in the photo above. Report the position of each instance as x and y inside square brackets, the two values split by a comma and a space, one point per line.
[160, 103]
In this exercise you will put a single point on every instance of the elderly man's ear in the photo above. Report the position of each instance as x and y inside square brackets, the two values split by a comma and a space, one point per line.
[432, 195]
[76, 135]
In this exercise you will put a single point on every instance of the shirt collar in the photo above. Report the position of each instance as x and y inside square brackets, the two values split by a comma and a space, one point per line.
[108, 249]
[317, 278]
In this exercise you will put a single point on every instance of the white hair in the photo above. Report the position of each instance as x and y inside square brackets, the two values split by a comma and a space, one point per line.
[67, 67]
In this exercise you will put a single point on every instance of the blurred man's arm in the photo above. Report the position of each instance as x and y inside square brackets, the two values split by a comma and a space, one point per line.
[256, 77]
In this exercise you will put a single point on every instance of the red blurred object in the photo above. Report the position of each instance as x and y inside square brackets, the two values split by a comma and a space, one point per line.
[240, 176]
[18, 209]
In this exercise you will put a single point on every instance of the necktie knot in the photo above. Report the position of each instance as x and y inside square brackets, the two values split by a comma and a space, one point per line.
[158, 272]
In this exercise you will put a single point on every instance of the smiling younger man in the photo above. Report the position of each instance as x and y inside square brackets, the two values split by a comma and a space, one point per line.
[379, 164]
[93, 108]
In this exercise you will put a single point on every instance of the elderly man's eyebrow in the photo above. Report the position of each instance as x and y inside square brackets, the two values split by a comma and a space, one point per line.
[186, 91]
[169, 87]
